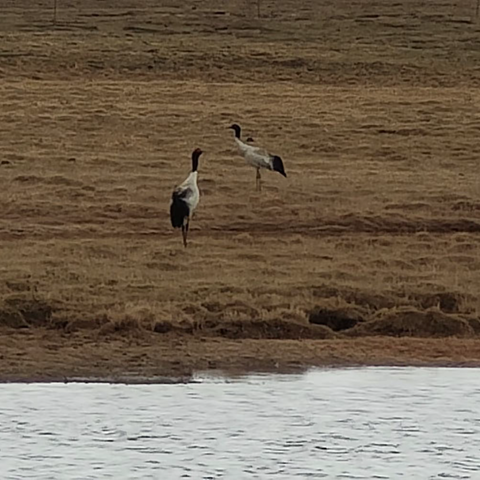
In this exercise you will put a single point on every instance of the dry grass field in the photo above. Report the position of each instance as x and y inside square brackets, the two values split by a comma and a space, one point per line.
[375, 109]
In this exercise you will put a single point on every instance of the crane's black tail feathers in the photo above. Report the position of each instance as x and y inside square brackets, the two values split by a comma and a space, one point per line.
[178, 211]
[277, 165]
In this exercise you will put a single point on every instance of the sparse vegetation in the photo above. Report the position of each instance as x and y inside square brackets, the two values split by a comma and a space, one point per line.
[373, 107]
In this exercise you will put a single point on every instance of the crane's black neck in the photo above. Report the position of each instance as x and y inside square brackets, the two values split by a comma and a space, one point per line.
[195, 156]
[237, 129]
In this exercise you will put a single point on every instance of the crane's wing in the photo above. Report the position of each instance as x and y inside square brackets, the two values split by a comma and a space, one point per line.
[183, 192]
[259, 157]
[187, 194]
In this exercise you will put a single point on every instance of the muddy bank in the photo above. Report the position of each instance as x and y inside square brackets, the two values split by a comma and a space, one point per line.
[46, 340]
[49, 355]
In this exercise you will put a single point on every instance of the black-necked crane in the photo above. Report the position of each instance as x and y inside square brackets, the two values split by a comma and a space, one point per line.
[185, 199]
[257, 157]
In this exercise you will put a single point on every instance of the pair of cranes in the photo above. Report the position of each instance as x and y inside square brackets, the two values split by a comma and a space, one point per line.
[186, 196]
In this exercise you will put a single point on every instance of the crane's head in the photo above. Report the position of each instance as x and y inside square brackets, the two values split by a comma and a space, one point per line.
[236, 128]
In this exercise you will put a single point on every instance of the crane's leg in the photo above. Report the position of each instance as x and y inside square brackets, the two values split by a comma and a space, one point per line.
[184, 234]
[259, 181]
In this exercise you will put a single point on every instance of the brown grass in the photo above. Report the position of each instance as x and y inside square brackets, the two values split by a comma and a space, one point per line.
[372, 105]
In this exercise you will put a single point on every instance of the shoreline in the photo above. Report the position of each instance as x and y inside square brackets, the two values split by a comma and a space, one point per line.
[219, 374]
[49, 356]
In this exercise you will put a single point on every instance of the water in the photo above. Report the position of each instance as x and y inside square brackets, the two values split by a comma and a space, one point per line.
[369, 423]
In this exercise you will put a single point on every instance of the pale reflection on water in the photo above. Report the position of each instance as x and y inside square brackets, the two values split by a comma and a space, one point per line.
[369, 423]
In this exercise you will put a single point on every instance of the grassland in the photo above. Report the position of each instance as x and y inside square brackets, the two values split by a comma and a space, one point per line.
[374, 107]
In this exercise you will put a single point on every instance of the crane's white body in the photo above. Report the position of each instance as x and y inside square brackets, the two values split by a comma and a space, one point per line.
[189, 193]
[254, 156]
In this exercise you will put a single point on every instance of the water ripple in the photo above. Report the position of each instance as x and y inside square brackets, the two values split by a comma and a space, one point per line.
[346, 424]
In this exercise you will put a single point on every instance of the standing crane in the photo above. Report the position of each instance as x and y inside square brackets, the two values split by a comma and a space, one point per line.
[185, 199]
[257, 157]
